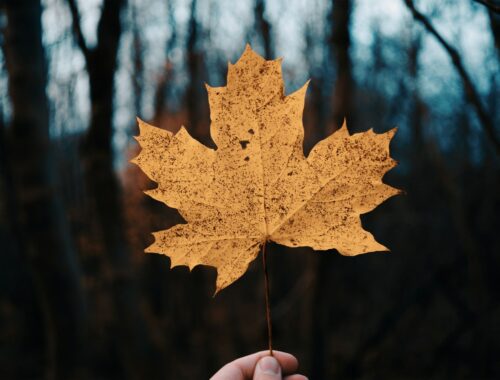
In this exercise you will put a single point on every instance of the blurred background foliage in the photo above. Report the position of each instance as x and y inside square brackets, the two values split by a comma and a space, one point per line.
[80, 300]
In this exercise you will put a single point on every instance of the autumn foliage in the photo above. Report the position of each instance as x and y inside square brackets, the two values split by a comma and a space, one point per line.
[258, 186]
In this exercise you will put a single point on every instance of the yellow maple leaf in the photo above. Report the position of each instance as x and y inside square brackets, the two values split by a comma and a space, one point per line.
[258, 186]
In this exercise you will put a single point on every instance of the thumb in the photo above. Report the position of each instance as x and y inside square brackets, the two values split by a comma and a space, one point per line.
[267, 368]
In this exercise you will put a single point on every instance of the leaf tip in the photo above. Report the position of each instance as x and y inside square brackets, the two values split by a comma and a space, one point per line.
[343, 128]
[305, 87]
[150, 193]
[392, 132]
[182, 133]
[140, 123]
[217, 290]
[144, 128]
[151, 248]
[344, 123]
[208, 88]
[375, 248]
[299, 95]
[249, 55]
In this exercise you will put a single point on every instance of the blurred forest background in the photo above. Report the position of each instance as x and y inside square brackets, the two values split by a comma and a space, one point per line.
[80, 300]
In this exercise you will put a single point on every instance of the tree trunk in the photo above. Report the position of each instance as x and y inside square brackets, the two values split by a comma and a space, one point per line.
[340, 42]
[195, 67]
[102, 185]
[495, 29]
[41, 220]
[138, 72]
[418, 106]
[263, 28]
[161, 105]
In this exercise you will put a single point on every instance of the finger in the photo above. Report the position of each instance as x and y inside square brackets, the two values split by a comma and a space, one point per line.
[246, 364]
[267, 368]
[244, 367]
[288, 363]
[295, 377]
[229, 372]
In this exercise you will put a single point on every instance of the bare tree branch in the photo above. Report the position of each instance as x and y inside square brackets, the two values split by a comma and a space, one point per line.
[489, 5]
[77, 30]
[470, 91]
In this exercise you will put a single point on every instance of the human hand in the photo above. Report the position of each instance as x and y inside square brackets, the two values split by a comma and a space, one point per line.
[261, 366]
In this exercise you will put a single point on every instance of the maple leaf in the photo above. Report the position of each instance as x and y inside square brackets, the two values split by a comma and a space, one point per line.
[258, 186]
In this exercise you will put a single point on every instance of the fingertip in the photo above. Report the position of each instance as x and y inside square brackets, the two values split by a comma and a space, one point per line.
[246, 365]
[267, 368]
[288, 362]
[295, 377]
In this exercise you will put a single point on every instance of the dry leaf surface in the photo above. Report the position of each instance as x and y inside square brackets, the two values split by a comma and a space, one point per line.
[258, 186]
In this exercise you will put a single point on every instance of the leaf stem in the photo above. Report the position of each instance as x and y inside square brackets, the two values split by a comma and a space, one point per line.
[268, 307]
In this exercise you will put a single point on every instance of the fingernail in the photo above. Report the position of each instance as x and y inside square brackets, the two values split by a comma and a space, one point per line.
[269, 365]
